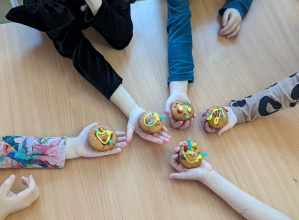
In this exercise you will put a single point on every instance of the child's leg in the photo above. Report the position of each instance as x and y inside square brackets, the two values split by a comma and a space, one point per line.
[114, 23]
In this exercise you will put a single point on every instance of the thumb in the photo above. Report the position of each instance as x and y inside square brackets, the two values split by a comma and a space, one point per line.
[225, 17]
[177, 176]
[87, 128]
[130, 131]
[6, 186]
[225, 128]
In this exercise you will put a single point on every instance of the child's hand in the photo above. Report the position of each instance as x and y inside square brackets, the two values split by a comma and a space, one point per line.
[10, 202]
[79, 147]
[133, 125]
[177, 124]
[231, 22]
[232, 120]
[184, 173]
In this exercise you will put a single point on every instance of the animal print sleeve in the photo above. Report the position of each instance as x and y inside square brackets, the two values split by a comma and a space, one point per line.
[279, 96]
[32, 152]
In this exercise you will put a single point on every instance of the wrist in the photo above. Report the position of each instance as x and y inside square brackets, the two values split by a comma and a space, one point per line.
[71, 149]
[207, 176]
[179, 87]
[3, 216]
[123, 100]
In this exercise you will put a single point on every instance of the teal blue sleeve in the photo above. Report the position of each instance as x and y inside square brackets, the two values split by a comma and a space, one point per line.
[180, 60]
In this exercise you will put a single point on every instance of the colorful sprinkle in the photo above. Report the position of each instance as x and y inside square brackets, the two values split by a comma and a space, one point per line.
[150, 123]
[186, 116]
[186, 101]
[220, 110]
[110, 141]
[189, 143]
[94, 138]
[223, 116]
[203, 154]
[193, 144]
[208, 114]
[185, 148]
[179, 111]
[162, 117]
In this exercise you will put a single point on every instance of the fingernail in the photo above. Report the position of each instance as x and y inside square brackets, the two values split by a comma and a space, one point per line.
[12, 176]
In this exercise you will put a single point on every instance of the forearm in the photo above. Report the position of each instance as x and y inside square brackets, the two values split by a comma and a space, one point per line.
[277, 97]
[3, 216]
[241, 5]
[71, 43]
[178, 87]
[246, 205]
[124, 101]
[180, 60]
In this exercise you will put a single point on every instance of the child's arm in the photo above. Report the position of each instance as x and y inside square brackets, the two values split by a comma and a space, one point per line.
[10, 202]
[246, 205]
[279, 96]
[63, 29]
[131, 109]
[49, 152]
[233, 12]
[180, 60]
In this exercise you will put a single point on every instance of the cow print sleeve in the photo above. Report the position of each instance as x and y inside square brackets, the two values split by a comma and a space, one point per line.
[279, 96]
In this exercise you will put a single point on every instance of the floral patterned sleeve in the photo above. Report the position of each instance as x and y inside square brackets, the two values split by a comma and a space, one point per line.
[32, 152]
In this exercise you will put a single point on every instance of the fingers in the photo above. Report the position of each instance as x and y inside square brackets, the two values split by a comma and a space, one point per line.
[174, 162]
[231, 23]
[229, 28]
[120, 133]
[167, 109]
[178, 176]
[203, 121]
[225, 17]
[112, 151]
[209, 129]
[225, 128]
[176, 124]
[185, 124]
[6, 186]
[177, 149]
[120, 145]
[163, 133]
[150, 138]
[164, 129]
[204, 113]
[235, 33]
[130, 131]
[168, 112]
[87, 129]
[29, 195]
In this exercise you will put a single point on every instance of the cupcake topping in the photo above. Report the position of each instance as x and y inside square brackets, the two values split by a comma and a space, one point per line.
[105, 134]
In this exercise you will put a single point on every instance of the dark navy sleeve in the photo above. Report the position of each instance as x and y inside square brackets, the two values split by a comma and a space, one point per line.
[241, 5]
